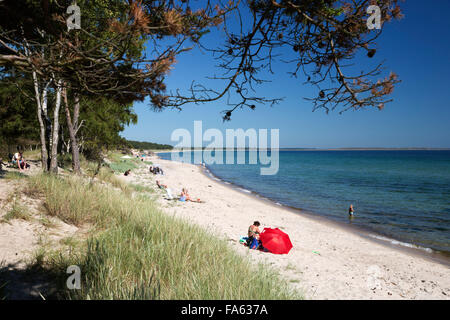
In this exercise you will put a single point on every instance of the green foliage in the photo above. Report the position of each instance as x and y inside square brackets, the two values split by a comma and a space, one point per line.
[103, 120]
[142, 145]
[19, 125]
[123, 165]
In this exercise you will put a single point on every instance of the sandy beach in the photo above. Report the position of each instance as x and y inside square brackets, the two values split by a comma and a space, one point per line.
[326, 262]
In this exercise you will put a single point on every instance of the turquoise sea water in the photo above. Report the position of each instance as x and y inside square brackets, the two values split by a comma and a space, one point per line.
[402, 195]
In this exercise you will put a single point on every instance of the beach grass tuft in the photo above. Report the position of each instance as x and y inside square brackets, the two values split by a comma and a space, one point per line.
[13, 175]
[17, 211]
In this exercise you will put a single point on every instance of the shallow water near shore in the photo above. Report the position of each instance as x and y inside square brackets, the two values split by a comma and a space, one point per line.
[402, 196]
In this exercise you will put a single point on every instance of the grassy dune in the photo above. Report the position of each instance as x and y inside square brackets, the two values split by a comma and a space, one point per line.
[138, 252]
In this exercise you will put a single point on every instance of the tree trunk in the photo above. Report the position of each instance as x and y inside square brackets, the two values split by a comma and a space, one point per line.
[55, 130]
[42, 127]
[73, 128]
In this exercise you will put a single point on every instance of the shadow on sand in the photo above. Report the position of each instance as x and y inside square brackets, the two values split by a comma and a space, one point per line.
[26, 283]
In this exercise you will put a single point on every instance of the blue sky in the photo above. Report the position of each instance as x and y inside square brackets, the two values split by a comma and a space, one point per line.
[416, 48]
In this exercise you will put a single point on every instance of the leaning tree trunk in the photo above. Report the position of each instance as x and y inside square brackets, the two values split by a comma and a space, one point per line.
[73, 128]
[55, 130]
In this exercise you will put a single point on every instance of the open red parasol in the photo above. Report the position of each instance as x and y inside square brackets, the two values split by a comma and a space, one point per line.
[275, 240]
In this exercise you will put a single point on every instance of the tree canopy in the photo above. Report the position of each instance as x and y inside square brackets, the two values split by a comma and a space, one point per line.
[118, 52]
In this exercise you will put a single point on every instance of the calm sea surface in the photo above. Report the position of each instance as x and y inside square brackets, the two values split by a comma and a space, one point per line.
[401, 195]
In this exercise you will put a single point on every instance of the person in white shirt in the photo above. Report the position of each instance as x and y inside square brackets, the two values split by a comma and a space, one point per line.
[20, 161]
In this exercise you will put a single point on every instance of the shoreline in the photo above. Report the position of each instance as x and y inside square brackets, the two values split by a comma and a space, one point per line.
[327, 262]
[363, 231]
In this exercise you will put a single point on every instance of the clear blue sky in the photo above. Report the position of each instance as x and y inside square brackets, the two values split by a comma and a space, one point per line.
[416, 48]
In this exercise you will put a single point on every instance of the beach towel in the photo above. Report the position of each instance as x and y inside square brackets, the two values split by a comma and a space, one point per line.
[169, 194]
[253, 245]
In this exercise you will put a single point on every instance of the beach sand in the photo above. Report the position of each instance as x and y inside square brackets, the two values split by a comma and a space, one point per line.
[326, 262]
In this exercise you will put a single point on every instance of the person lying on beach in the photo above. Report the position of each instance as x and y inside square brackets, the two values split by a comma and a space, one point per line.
[168, 191]
[169, 194]
[161, 186]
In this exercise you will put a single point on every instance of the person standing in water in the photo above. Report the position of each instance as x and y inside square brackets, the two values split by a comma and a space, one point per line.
[350, 210]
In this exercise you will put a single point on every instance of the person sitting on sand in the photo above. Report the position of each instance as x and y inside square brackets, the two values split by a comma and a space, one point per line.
[20, 161]
[253, 233]
[186, 197]
[127, 172]
[185, 193]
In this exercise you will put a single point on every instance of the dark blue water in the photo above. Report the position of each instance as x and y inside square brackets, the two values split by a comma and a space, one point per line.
[403, 195]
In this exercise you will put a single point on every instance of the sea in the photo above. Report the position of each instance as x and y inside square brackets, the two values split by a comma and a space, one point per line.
[399, 196]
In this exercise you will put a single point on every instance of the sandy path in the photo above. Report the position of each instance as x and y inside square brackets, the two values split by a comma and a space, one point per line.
[348, 266]
[19, 239]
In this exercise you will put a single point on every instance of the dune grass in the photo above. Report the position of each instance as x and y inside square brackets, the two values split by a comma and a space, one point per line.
[138, 252]
[12, 175]
[17, 211]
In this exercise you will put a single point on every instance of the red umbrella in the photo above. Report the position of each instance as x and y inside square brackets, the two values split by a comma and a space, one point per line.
[275, 240]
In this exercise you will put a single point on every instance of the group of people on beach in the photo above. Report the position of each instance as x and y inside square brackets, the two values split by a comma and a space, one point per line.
[156, 170]
[183, 197]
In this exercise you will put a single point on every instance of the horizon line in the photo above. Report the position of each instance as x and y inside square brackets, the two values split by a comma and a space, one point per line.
[316, 148]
